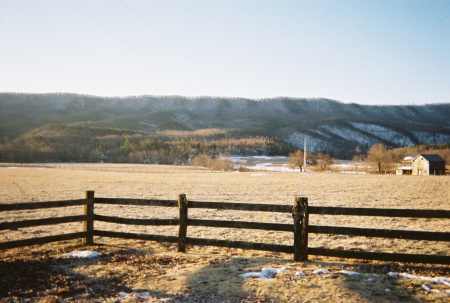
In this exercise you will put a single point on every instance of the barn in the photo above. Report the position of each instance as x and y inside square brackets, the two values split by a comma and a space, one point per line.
[428, 164]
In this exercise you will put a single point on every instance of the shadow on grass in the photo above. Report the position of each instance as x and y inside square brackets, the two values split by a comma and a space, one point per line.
[58, 278]
[376, 285]
[203, 278]
[221, 278]
[41, 273]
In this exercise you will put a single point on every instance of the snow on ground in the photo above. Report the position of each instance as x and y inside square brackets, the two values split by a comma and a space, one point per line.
[263, 163]
[349, 273]
[265, 273]
[281, 164]
[437, 280]
[134, 294]
[321, 272]
[81, 254]
[269, 273]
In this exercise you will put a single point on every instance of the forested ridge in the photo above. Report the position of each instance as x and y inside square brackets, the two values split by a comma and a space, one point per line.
[171, 130]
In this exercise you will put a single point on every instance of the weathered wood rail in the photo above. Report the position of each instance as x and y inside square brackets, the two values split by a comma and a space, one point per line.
[45, 221]
[300, 228]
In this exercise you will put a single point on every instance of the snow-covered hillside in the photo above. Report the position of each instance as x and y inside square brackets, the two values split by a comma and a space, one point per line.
[328, 125]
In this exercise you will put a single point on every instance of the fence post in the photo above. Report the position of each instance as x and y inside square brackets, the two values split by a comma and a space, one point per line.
[183, 207]
[300, 216]
[88, 225]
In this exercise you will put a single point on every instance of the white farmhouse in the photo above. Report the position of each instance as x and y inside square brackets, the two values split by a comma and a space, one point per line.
[422, 165]
[428, 164]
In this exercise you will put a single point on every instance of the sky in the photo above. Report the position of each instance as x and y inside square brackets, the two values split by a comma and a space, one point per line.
[362, 51]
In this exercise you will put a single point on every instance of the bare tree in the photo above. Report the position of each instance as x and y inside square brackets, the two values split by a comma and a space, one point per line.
[378, 155]
[201, 160]
[357, 160]
[218, 163]
[323, 161]
[296, 159]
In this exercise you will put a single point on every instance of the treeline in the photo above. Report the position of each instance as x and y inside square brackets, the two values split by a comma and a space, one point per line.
[83, 142]
[396, 155]
[386, 160]
[86, 143]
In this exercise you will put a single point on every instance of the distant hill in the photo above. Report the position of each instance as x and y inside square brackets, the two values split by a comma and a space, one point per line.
[330, 126]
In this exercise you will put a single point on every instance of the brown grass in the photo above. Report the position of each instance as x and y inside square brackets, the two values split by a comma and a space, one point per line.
[211, 274]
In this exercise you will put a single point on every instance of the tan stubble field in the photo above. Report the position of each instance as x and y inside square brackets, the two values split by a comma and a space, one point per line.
[26, 184]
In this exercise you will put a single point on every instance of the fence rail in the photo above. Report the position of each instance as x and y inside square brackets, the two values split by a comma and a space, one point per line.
[300, 228]
[41, 205]
[380, 233]
[42, 222]
[378, 212]
[142, 202]
[42, 240]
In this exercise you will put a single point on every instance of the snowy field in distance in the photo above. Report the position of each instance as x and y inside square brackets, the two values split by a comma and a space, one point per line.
[281, 164]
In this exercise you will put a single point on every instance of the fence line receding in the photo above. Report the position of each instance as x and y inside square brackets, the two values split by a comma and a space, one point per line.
[300, 227]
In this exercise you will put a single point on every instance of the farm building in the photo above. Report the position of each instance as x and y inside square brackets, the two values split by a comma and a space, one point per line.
[422, 165]
[406, 167]
[428, 164]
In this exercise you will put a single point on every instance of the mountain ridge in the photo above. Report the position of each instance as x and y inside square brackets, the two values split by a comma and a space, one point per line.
[328, 125]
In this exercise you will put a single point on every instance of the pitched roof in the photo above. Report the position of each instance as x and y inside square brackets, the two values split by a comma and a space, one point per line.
[432, 157]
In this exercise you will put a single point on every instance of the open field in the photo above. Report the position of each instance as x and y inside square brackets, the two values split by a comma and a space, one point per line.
[208, 274]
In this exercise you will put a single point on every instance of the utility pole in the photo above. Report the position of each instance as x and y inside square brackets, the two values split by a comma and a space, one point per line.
[304, 154]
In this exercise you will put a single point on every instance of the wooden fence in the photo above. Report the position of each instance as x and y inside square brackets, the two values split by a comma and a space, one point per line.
[300, 228]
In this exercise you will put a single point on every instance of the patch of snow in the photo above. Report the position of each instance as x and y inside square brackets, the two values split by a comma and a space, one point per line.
[385, 133]
[392, 274]
[261, 157]
[347, 133]
[134, 294]
[426, 287]
[437, 280]
[343, 272]
[265, 273]
[352, 172]
[268, 273]
[274, 163]
[82, 254]
[349, 273]
[321, 271]
[314, 145]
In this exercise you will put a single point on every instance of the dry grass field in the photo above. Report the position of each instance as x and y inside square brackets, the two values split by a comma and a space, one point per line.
[209, 274]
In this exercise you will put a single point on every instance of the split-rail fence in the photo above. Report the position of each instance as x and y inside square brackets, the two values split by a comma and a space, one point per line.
[300, 228]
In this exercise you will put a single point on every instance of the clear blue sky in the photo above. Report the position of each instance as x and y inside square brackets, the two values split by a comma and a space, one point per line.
[367, 52]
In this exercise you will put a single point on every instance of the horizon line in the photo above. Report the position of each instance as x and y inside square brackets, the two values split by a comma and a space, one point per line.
[217, 97]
